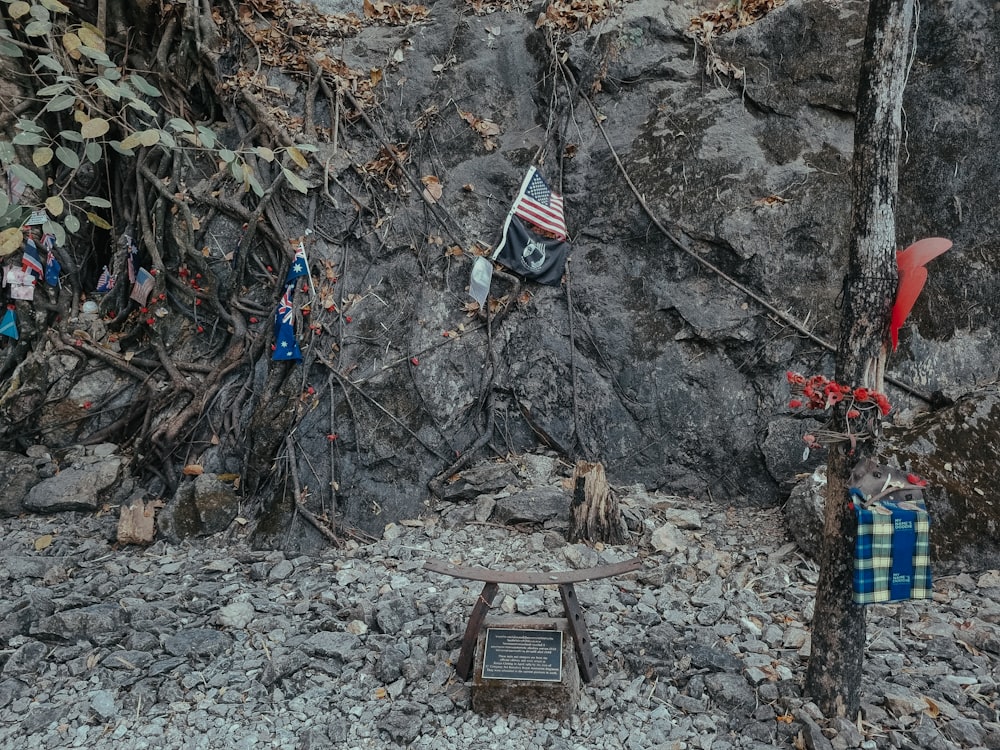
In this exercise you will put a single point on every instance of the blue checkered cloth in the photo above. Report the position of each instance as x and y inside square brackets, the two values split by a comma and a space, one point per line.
[892, 552]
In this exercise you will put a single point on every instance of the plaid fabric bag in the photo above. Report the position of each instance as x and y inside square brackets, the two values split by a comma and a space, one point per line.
[892, 550]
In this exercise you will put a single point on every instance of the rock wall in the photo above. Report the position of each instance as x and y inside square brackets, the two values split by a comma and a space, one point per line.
[643, 358]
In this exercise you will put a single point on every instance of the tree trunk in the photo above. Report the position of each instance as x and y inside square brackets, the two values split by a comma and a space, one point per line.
[838, 639]
[595, 514]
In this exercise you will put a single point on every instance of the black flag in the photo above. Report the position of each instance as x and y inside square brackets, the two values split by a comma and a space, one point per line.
[531, 255]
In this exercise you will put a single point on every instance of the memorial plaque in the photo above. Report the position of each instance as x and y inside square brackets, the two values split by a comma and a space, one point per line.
[520, 654]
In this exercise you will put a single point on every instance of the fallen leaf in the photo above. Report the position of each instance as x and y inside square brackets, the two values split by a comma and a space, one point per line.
[432, 188]
[42, 542]
[193, 470]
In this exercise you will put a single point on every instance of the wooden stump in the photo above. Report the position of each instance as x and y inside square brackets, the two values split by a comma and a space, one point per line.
[595, 515]
[136, 524]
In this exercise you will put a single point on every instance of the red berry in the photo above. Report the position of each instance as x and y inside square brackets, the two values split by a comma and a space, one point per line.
[348, 318]
[201, 329]
[87, 404]
[253, 320]
[414, 361]
[150, 321]
[332, 436]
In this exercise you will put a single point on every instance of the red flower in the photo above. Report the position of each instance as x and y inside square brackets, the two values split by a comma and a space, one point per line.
[861, 394]
[150, 321]
[414, 361]
[253, 320]
[201, 329]
[332, 436]
[310, 390]
[883, 403]
[914, 479]
[144, 310]
[197, 302]
[795, 378]
[305, 287]
[795, 403]
[348, 319]
[853, 414]
[87, 404]
[844, 389]
[446, 334]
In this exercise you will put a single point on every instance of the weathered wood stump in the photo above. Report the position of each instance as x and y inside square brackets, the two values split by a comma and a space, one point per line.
[595, 516]
[136, 524]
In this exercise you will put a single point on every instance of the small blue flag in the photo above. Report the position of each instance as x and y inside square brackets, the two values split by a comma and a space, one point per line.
[286, 348]
[52, 266]
[8, 326]
[300, 266]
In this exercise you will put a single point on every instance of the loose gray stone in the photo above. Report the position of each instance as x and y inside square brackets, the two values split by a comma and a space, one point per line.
[336, 645]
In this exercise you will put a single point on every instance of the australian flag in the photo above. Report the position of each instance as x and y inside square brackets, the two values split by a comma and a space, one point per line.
[522, 249]
[286, 348]
[30, 260]
[300, 266]
[52, 265]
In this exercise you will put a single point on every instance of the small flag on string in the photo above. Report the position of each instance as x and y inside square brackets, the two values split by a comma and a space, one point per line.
[522, 249]
[286, 348]
[105, 282]
[30, 260]
[143, 285]
[52, 265]
[300, 266]
[8, 326]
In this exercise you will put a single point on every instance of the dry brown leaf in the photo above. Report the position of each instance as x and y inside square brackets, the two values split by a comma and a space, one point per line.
[42, 542]
[432, 188]
[193, 470]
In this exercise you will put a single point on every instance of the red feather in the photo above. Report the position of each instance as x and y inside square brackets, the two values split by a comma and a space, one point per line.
[912, 276]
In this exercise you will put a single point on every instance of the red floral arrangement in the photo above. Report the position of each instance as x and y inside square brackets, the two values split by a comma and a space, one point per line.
[818, 393]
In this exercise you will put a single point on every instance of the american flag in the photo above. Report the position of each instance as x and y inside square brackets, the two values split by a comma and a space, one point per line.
[538, 205]
[105, 282]
[143, 285]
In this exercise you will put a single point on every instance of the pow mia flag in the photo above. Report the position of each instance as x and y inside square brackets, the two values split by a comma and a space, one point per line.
[531, 255]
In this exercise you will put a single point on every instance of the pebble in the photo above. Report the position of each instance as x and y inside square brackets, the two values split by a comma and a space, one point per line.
[219, 646]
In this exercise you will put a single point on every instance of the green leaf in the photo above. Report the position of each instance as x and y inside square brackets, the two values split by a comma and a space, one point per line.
[207, 136]
[144, 86]
[72, 224]
[51, 63]
[4, 203]
[112, 74]
[140, 105]
[308, 147]
[54, 227]
[29, 126]
[68, 157]
[10, 50]
[93, 152]
[226, 155]
[6, 151]
[40, 12]
[107, 88]
[38, 28]
[180, 126]
[295, 181]
[71, 135]
[55, 88]
[236, 169]
[95, 55]
[95, 127]
[254, 185]
[24, 174]
[27, 139]
[168, 140]
[61, 102]
[264, 153]
[96, 202]
[121, 149]
[149, 137]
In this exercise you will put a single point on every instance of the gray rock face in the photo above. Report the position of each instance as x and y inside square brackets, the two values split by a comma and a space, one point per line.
[17, 475]
[87, 479]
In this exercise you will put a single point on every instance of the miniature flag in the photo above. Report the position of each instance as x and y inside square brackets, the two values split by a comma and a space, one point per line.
[131, 254]
[8, 326]
[105, 282]
[480, 279]
[143, 285]
[52, 265]
[539, 206]
[286, 348]
[531, 255]
[300, 266]
[30, 261]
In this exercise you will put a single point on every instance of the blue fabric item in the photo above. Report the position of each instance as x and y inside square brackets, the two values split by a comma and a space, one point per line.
[892, 552]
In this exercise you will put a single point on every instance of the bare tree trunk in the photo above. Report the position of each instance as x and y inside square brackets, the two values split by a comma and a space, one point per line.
[595, 514]
[838, 639]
